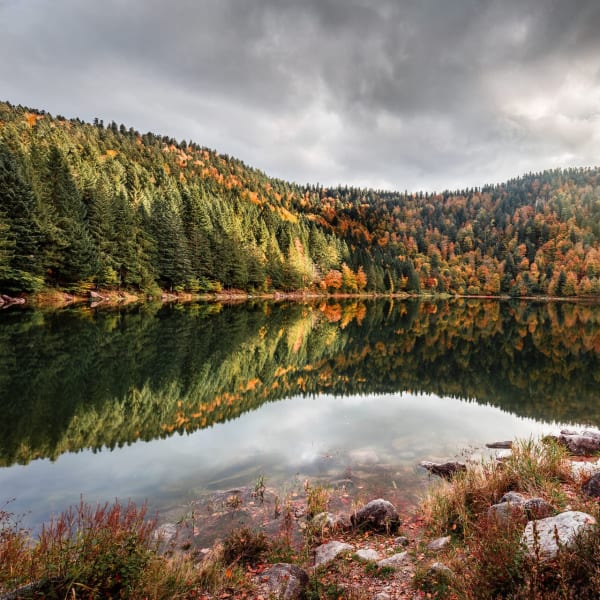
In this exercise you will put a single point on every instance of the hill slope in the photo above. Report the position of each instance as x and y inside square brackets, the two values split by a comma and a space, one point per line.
[86, 205]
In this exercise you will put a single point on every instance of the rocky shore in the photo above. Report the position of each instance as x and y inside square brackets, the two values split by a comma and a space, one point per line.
[537, 499]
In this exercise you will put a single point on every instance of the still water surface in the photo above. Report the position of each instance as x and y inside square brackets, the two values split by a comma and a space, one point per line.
[167, 403]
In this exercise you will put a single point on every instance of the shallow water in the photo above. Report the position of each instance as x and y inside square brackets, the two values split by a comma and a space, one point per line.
[165, 404]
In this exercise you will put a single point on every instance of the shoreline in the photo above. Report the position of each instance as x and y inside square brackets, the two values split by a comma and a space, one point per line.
[54, 299]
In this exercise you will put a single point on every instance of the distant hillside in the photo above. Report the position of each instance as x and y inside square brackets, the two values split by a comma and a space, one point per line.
[88, 205]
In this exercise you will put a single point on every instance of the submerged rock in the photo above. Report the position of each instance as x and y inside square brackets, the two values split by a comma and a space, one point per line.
[379, 515]
[505, 445]
[562, 528]
[446, 470]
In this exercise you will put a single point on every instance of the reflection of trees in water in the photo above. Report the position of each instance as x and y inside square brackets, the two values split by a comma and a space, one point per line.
[81, 379]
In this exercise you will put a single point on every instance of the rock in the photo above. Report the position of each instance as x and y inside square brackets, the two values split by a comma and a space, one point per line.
[503, 455]
[401, 541]
[368, 555]
[507, 444]
[379, 515]
[438, 568]
[446, 470]
[382, 596]
[592, 486]
[324, 519]
[513, 497]
[364, 456]
[327, 552]
[285, 581]
[538, 508]
[505, 512]
[96, 296]
[332, 522]
[564, 526]
[580, 469]
[439, 544]
[395, 561]
[585, 443]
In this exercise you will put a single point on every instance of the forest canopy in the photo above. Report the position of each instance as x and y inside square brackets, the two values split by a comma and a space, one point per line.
[86, 206]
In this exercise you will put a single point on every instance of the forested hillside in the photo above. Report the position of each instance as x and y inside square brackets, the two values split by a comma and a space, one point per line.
[95, 205]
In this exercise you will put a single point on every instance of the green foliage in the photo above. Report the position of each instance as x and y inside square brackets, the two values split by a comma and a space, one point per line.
[121, 209]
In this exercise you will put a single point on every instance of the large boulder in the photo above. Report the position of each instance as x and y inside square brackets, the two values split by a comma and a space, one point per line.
[541, 536]
[446, 470]
[325, 553]
[379, 515]
[285, 581]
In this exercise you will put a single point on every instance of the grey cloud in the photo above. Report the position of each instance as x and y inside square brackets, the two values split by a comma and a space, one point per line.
[408, 93]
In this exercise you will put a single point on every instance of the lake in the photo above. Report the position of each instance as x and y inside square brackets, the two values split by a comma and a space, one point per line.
[166, 403]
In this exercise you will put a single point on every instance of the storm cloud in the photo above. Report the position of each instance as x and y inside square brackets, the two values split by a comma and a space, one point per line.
[406, 94]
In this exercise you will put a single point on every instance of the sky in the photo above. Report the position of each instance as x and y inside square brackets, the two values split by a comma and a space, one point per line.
[395, 94]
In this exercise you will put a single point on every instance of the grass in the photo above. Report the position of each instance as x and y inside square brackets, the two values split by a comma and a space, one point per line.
[489, 560]
[317, 498]
[110, 551]
[453, 507]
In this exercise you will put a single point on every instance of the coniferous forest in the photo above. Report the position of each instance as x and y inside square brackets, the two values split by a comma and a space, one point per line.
[85, 206]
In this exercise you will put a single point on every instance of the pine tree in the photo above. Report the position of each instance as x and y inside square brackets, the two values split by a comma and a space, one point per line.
[19, 206]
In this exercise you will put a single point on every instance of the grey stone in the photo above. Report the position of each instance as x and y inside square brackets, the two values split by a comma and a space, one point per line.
[324, 519]
[379, 515]
[592, 486]
[402, 541]
[513, 497]
[538, 508]
[445, 470]
[438, 544]
[581, 469]
[438, 568]
[565, 526]
[382, 596]
[368, 555]
[325, 553]
[395, 561]
[285, 581]
[505, 512]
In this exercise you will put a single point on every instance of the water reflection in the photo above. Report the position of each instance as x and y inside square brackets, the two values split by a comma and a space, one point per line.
[358, 384]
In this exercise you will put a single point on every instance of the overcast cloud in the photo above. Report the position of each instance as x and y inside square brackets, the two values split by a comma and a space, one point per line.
[404, 94]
